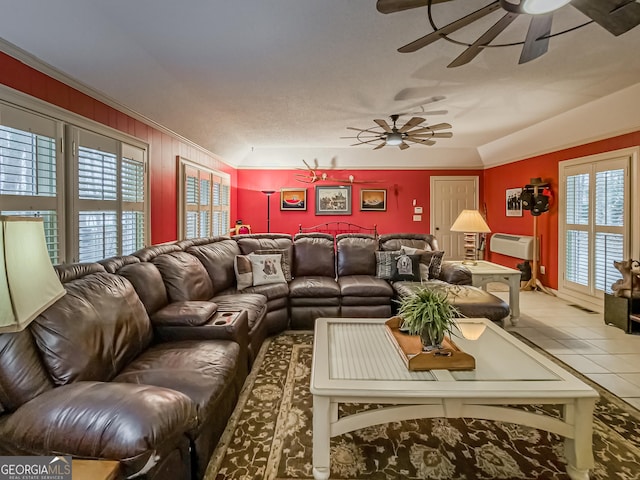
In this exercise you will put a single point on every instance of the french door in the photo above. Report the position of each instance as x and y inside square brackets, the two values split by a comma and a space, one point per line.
[595, 219]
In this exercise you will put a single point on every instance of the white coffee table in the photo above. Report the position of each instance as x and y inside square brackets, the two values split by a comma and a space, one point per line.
[354, 361]
[484, 272]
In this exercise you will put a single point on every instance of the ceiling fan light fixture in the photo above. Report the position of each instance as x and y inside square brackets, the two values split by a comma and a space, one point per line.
[537, 7]
[394, 139]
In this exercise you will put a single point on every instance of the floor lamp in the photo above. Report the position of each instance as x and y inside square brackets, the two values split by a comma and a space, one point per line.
[470, 222]
[268, 193]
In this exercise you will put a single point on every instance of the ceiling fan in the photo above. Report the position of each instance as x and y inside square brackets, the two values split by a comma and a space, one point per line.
[411, 132]
[616, 16]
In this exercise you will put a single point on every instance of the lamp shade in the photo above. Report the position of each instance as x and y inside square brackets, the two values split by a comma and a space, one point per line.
[470, 221]
[28, 282]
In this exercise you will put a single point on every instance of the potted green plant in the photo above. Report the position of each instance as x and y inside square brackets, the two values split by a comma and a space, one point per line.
[429, 313]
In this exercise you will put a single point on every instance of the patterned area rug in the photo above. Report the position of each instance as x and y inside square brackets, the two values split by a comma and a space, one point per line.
[269, 435]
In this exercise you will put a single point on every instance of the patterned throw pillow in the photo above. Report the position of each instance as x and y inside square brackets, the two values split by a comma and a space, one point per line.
[267, 269]
[244, 271]
[286, 260]
[406, 268]
[430, 261]
[384, 264]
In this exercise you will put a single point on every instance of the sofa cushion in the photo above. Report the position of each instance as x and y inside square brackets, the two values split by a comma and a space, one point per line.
[22, 375]
[94, 331]
[472, 302]
[185, 278]
[356, 254]
[310, 287]
[364, 286]
[267, 269]
[147, 281]
[271, 291]
[314, 255]
[100, 420]
[202, 370]
[217, 258]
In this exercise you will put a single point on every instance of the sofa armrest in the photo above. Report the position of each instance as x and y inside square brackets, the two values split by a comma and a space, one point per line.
[455, 273]
[101, 420]
[184, 314]
[232, 326]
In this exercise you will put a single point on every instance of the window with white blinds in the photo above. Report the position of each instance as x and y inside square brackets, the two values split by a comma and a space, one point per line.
[204, 201]
[110, 208]
[90, 189]
[595, 223]
[29, 171]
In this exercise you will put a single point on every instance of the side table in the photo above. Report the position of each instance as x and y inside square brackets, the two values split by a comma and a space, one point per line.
[95, 470]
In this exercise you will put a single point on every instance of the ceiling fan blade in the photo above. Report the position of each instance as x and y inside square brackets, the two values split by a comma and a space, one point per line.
[537, 41]
[380, 146]
[447, 29]
[422, 142]
[486, 38]
[363, 130]
[414, 122]
[403, 146]
[384, 125]
[365, 142]
[425, 136]
[616, 16]
[391, 6]
[443, 135]
[431, 128]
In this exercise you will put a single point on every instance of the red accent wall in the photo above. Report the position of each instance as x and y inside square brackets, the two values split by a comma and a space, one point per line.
[163, 148]
[518, 174]
[403, 186]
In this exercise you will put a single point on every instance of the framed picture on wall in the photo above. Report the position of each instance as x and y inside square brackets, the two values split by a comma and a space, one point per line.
[293, 199]
[333, 200]
[373, 200]
[514, 204]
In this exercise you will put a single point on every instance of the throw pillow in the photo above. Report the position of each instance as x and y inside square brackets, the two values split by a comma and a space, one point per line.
[244, 271]
[406, 268]
[384, 262]
[430, 261]
[436, 264]
[266, 269]
[285, 262]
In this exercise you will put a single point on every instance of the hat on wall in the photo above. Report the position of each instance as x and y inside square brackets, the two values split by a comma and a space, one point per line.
[537, 182]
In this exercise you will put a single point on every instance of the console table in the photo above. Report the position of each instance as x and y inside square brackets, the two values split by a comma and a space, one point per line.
[484, 272]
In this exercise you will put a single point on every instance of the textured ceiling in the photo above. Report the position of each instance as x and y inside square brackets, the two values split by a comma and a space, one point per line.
[270, 82]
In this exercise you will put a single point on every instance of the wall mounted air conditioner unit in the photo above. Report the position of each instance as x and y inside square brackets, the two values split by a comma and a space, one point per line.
[517, 246]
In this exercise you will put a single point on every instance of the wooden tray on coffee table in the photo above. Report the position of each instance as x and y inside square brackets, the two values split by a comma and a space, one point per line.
[449, 357]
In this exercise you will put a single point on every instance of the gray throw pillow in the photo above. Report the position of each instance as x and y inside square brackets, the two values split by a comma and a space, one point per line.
[430, 261]
[384, 263]
[244, 271]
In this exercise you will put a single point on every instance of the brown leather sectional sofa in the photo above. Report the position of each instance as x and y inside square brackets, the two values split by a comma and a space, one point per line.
[144, 358]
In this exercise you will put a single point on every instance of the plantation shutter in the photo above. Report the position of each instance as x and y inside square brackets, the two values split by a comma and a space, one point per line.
[29, 171]
[596, 209]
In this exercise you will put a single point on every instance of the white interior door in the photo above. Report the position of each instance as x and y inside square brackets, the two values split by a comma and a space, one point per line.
[449, 196]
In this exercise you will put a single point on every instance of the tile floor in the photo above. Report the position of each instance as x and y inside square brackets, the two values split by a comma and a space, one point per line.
[604, 353]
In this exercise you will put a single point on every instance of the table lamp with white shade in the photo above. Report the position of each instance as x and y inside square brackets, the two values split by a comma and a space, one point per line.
[470, 222]
[28, 282]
